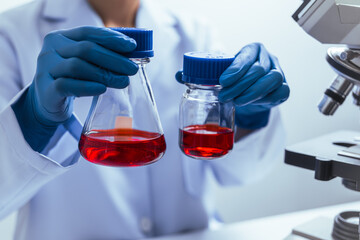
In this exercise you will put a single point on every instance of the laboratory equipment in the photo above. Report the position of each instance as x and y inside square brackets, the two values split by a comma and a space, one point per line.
[123, 126]
[206, 125]
[336, 154]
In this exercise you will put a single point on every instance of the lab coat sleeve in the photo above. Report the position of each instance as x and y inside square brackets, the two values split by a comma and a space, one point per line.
[253, 156]
[23, 171]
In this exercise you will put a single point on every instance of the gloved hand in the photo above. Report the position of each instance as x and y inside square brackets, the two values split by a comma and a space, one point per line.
[83, 61]
[255, 83]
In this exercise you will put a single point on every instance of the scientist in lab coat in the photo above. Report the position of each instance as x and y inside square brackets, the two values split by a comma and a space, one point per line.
[58, 194]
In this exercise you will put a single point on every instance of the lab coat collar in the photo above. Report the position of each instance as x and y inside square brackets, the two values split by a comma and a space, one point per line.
[149, 14]
[153, 15]
[60, 10]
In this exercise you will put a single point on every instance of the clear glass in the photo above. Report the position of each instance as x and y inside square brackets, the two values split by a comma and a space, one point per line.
[123, 127]
[206, 125]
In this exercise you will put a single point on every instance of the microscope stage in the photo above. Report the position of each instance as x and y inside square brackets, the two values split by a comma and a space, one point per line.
[332, 155]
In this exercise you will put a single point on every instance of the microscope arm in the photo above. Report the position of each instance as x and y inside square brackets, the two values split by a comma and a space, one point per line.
[331, 21]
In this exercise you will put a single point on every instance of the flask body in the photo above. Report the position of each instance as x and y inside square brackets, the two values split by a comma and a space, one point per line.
[123, 126]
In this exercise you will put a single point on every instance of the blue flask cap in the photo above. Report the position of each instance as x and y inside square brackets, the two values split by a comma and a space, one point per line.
[205, 68]
[144, 41]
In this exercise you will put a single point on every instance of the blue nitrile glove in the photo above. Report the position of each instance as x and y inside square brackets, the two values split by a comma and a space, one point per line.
[83, 61]
[255, 83]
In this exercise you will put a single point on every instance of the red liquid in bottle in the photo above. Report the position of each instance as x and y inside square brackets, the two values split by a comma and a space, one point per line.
[206, 141]
[122, 147]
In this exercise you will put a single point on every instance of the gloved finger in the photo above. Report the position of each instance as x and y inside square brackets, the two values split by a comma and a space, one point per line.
[79, 69]
[254, 73]
[264, 58]
[247, 56]
[250, 109]
[178, 77]
[265, 85]
[276, 65]
[100, 56]
[276, 97]
[67, 87]
[105, 37]
[55, 40]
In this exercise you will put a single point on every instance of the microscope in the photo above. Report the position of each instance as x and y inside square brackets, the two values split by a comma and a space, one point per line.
[336, 154]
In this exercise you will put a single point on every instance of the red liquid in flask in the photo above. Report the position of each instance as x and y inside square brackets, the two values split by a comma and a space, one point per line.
[122, 147]
[206, 141]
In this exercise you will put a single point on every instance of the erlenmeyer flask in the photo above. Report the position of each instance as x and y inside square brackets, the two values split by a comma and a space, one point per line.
[123, 126]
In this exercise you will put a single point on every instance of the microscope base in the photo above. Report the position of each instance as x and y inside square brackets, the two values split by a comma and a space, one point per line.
[317, 229]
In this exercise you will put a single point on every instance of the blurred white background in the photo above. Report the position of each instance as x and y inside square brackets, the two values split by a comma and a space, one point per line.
[287, 188]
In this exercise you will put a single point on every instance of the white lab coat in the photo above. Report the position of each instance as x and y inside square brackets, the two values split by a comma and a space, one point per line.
[62, 196]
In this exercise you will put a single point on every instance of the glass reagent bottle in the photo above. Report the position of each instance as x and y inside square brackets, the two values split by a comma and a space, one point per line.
[206, 125]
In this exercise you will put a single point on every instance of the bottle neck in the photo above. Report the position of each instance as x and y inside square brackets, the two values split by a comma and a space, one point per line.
[140, 61]
[215, 88]
[203, 92]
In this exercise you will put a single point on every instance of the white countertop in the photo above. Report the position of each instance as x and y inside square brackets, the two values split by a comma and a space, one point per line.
[268, 228]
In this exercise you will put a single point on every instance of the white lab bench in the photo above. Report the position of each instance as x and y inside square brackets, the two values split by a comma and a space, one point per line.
[269, 228]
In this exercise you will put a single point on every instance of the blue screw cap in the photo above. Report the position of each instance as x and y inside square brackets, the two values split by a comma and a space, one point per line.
[144, 41]
[205, 68]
